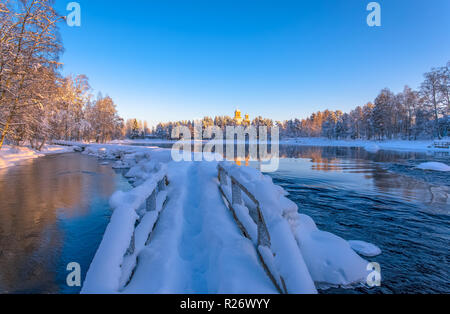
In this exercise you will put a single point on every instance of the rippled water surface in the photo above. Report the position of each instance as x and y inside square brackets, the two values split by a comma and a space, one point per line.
[53, 211]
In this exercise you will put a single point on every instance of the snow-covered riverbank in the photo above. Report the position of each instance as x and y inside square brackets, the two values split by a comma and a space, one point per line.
[371, 146]
[11, 156]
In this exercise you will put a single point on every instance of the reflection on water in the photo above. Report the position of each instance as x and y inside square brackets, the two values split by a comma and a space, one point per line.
[380, 198]
[53, 211]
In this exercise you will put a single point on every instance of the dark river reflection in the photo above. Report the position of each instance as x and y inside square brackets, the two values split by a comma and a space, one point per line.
[53, 211]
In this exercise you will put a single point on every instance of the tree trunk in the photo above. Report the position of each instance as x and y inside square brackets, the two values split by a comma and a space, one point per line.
[42, 145]
[5, 131]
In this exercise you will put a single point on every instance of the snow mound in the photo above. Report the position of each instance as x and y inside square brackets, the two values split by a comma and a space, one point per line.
[434, 166]
[106, 273]
[11, 156]
[365, 249]
[372, 148]
[329, 259]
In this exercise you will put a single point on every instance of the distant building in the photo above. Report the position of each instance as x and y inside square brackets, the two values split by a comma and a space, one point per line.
[239, 120]
[247, 120]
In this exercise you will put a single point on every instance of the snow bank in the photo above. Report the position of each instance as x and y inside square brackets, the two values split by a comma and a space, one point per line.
[105, 274]
[365, 249]
[434, 166]
[370, 146]
[11, 156]
[330, 259]
[287, 260]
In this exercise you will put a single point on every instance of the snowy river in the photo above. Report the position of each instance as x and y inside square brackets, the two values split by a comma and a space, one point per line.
[54, 210]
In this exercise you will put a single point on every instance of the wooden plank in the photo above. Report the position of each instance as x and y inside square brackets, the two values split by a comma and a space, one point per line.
[257, 217]
[246, 234]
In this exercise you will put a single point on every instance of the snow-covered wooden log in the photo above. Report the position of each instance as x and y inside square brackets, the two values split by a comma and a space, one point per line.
[282, 261]
[124, 237]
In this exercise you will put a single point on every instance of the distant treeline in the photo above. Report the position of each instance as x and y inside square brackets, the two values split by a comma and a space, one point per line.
[411, 114]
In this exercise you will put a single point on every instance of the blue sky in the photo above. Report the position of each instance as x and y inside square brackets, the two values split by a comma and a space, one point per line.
[170, 60]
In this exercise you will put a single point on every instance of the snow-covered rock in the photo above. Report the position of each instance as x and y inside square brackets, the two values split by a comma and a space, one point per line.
[372, 148]
[365, 249]
[330, 259]
[434, 166]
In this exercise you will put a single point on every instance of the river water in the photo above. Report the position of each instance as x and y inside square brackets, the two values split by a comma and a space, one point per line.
[380, 198]
[54, 210]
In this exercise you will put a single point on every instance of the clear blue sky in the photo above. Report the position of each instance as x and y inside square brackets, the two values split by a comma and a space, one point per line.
[170, 60]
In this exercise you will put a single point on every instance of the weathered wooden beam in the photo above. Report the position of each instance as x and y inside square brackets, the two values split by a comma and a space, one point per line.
[231, 208]
[256, 214]
[162, 185]
[263, 232]
[151, 202]
[132, 247]
[236, 193]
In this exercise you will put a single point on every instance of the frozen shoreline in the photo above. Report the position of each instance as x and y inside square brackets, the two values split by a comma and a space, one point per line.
[369, 145]
[11, 156]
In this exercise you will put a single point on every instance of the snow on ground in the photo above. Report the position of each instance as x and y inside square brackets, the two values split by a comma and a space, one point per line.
[434, 166]
[328, 258]
[143, 141]
[11, 156]
[105, 272]
[196, 246]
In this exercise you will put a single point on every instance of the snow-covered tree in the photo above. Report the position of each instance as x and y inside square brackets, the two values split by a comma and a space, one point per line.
[30, 51]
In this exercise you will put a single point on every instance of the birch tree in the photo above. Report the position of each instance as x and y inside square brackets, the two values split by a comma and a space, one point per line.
[30, 47]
